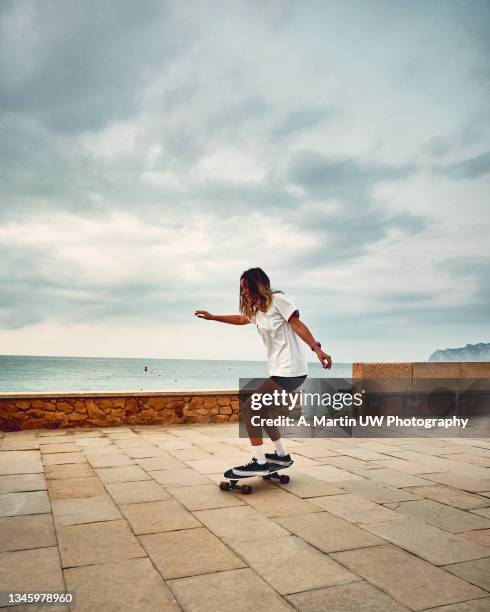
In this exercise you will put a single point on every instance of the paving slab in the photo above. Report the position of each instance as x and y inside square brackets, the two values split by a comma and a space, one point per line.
[363, 453]
[274, 501]
[443, 464]
[442, 516]
[189, 552]
[68, 447]
[92, 443]
[376, 492]
[469, 458]
[475, 605]
[485, 512]
[59, 458]
[409, 580]
[75, 487]
[133, 586]
[97, 543]
[329, 473]
[26, 434]
[153, 517]
[402, 465]
[310, 569]
[36, 570]
[205, 497]
[327, 532]
[24, 532]
[428, 542]
[239, 524]
[101, 449]
[75, 511]
[306, 486]
[190, 454]
[165, 462]
[299, 460]
[476, 450]
[355, 508]
[88, 432]
[14, 483]
[127, 473]
[314, 451]
[481, 536]
[439, 464]
[26, 502]
[216, 448]
[352, 597]
[28, 444]
[49, 435]
[477, 572]
[109, 460]
[393, 478]
[136, 492]
[460, 481]
[122, 434]
[175, 443]
[238, 590]
[344, 462]
[20, 462]
[451, 496]
[144, 452]
[70, 470]
[132, 442]
[209, 466]
[179, 477]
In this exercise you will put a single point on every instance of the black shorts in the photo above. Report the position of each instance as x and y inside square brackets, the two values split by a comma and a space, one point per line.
[289, 383]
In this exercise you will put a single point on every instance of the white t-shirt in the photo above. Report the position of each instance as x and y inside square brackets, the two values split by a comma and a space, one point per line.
[284, 354]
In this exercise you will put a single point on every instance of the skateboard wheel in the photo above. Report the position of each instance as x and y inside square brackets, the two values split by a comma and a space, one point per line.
[267, 477]
[224, 486]
[246, 489]
[283, 479]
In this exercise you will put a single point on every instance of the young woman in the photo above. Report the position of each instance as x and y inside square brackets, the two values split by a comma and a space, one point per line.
[278, 323]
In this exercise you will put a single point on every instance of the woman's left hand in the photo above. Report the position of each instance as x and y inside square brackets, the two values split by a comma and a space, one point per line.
[325, 359]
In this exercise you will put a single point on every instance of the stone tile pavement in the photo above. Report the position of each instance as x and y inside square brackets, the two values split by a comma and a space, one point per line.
[132, 519]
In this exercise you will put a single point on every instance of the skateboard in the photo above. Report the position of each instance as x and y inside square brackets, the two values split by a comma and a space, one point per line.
[231, 483]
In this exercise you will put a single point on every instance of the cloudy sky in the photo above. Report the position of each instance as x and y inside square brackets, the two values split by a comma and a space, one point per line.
[151, 151]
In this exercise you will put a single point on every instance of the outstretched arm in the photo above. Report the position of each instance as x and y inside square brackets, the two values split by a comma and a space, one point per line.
[305, 335]
[232, 319]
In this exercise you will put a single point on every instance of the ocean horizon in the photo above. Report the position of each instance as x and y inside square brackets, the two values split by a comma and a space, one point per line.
[25, 373]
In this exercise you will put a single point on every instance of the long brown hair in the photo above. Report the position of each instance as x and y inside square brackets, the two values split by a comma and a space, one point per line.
[259, 288]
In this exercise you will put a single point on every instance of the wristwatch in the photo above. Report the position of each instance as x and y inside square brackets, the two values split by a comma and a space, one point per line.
[314, 345]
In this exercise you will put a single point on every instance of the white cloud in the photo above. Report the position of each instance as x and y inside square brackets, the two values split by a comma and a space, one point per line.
[148, 159]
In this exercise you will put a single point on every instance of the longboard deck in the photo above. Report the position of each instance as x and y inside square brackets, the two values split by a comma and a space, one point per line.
[231, 483]
[275, 468]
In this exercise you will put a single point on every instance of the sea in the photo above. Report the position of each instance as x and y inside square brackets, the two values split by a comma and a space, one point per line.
[19, 373]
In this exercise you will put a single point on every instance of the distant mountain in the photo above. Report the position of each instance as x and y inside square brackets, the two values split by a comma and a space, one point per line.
[471, 352]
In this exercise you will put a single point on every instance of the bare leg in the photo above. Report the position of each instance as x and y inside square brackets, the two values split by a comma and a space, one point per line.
[255, 431]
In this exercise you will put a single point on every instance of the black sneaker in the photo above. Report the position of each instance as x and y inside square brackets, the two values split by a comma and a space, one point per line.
[278, 459]
[252, 468]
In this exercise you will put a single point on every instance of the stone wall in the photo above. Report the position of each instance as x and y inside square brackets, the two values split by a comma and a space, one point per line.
[54, 410]
[62, 410]
[423, 369]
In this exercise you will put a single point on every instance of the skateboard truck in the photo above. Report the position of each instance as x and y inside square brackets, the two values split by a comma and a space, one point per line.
[232, 485]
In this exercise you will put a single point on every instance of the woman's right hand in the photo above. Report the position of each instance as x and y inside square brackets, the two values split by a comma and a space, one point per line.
[204, 314]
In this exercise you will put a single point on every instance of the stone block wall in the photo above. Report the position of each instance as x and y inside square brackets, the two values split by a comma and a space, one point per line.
[64, 410]
[51, 410]
[436, 386]
[422, 369]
